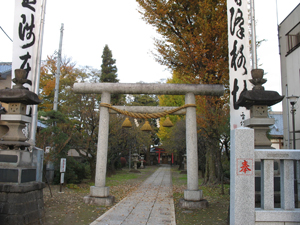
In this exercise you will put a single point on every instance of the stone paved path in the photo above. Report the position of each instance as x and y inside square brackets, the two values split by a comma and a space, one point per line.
[152, 203]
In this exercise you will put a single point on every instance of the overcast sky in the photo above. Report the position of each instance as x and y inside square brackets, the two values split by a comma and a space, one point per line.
[90, 24]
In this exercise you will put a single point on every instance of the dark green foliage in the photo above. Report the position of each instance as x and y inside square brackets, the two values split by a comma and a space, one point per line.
[58, 136]
[52, 117]
[226, 167]
[75, 171]
[176, 144]
[57, 133]
[109, 74]
[108, 67]
[146, 100]
[143, 100]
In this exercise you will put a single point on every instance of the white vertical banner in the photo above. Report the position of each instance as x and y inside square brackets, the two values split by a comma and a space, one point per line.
[63, 165]
[239, 58]
[27, 39]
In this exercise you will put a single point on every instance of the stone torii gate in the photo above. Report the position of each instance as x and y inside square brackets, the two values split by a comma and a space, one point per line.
[99, 194]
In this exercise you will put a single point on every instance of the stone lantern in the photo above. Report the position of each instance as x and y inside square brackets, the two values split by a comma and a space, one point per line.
[135, 159]
[142, 162]
[184, 165]
[258, 100]
[15, 120]
[20, 164]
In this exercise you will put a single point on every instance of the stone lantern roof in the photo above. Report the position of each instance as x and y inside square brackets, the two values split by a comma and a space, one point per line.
[23, 96]
[19, 94]
[258, 95]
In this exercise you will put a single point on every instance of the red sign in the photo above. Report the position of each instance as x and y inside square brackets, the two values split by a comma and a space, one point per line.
[244, 166]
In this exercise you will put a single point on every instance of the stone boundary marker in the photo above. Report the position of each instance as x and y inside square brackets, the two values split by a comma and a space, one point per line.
[242, 180]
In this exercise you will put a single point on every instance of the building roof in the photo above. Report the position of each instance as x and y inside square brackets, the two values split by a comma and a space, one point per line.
[5, 69]
[74, 153]
[277, 128]
[156, 150]
[41, 125]
[289, 14]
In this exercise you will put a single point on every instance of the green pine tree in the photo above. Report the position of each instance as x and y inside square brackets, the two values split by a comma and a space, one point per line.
[109, 74]
[108, 67]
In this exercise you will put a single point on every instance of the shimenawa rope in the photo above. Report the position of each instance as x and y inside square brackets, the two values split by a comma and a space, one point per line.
[146, 115]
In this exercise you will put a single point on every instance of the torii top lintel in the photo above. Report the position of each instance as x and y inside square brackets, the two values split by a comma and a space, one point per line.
[149, 88]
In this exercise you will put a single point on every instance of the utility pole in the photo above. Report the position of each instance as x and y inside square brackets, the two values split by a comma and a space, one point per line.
[50, 164]
[57, 75]
[253, 34]
[37, 74]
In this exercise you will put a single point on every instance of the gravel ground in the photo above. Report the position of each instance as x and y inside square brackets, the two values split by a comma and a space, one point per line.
[68, 207]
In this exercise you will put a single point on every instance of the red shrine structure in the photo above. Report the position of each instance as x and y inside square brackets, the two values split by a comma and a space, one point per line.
[160, 156]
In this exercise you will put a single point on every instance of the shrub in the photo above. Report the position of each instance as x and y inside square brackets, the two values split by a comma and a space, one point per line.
[75, 172]
[72, 186]
[226, 167]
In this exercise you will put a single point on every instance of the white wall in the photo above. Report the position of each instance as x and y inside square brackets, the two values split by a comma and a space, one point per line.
[290, 76]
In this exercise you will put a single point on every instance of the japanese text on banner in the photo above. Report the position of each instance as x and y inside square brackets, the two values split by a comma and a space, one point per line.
[239, 57]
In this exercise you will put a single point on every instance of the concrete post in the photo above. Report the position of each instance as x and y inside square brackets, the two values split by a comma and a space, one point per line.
[242, 174]
[287, 196]
[39, 154]
[267, 184]
[99, 194]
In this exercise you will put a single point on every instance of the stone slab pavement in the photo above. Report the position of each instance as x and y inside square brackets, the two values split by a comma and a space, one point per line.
[152, 203]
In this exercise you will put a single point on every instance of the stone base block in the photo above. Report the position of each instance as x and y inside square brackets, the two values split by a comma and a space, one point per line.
[107, 201]
[193, 204]
[100, 192]
[22, 204]
[192, 195]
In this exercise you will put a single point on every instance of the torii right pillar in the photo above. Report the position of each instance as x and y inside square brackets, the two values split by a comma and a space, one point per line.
[193, 197]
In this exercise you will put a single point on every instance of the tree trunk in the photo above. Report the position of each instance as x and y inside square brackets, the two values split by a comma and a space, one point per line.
[112, 165]
[227, 149]
[180, 161]
[148, 156]
[92, 168]
[220, 168]
[202, 157]
[210, 172]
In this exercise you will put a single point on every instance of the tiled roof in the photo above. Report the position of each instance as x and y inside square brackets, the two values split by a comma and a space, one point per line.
[41, 125]
[5, 69]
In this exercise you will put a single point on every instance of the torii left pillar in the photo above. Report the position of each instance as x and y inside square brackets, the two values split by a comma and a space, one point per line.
[99, 194]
